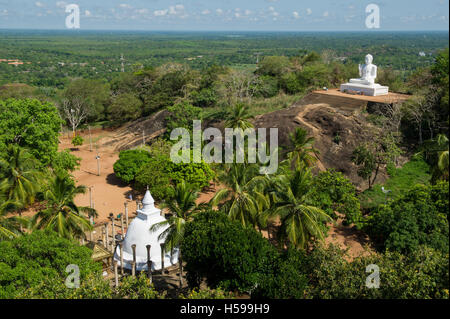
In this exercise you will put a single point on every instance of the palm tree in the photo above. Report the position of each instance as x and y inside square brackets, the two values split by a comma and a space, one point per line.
[441, 169]
[302, 150]
[243, 199]
[436, 152]
[20, 178]
[61, 214]
[239, 117]
[182, 207]
[300, 221]
[9, 226]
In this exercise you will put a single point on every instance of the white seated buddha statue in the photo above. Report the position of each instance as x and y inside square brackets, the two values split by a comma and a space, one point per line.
[367, 72]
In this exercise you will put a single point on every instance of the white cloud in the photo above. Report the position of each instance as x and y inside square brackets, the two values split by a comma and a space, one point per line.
[308, 11]
[39, 4]
[296, 15]
[160, 13]
[142, 11]
[61, 4]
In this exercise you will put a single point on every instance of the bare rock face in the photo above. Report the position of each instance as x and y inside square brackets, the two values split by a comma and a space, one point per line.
[131, 135]
[337, 125]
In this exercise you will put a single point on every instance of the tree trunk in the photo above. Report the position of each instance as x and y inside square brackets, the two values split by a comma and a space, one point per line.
[376, 174]
[180, 261]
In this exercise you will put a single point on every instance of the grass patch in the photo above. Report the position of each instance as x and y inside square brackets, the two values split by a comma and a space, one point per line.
[417, 171]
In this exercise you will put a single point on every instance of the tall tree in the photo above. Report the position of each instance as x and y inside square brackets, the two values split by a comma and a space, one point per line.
[182, 208]
[302, 151]
[62, 215]
[239, 117]
[20, 179]
[301, 221]
[9, 226]
[243, 198]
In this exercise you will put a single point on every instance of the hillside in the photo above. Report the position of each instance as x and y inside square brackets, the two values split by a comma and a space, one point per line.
[337, 123]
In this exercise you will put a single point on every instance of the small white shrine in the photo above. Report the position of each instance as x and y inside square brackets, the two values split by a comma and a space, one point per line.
[366, 83]
[139, 234]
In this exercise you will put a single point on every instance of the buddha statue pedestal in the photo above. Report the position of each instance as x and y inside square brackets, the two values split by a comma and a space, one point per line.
[365, 89]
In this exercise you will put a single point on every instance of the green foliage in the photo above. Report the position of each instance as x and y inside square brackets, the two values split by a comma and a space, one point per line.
[422, 274]
[335, 192]
[154, 175]
[130, 163]
[419, 217]
[77, 141]
[288, 280]
[206, 97]
[94, 287]
[414, 172]
[65, 161]
[225, 253]
[125, 107]
[29, 260]
[370, 156]
[160, 172]
[138, 287]
[61, 214]
[302, 221]
[273, 65]
[208, 294]
[30, 124]
[182, 115]
[267, 86]
[93, 94]
[20, 180]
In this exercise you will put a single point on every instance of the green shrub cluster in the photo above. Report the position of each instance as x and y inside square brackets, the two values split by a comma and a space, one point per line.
[419, 217]
[129, 164]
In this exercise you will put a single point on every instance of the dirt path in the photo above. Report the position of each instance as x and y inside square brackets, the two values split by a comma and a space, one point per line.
[300, 120]
[108, 193]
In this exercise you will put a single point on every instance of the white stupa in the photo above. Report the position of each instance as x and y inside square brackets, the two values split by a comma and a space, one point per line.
[139, 234]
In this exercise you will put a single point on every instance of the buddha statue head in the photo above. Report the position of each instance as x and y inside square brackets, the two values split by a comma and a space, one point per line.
[369, 59]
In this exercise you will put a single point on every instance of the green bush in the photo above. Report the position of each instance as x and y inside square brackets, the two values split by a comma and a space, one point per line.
[154, 175]
[288, 281]
[334, 192]
[30, 124]
[423, 274]
[29, 260]
[130, 163]
[420, 217]
[226, 254]
[65, 161]
[182, 115]
[77, 141]
[160, 172]
[206, 97]
[208, 294]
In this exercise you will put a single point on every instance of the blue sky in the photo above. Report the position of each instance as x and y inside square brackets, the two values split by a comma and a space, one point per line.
[212, 15]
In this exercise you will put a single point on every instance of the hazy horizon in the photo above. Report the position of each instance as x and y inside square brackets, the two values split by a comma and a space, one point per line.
[230, 15]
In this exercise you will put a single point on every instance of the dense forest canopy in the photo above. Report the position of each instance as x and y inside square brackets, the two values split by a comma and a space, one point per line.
[56, 56]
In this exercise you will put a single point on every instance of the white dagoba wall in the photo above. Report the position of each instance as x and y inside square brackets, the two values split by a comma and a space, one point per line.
[139, 234]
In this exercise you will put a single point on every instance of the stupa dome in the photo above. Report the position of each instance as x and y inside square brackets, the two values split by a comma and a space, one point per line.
[139, 234]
